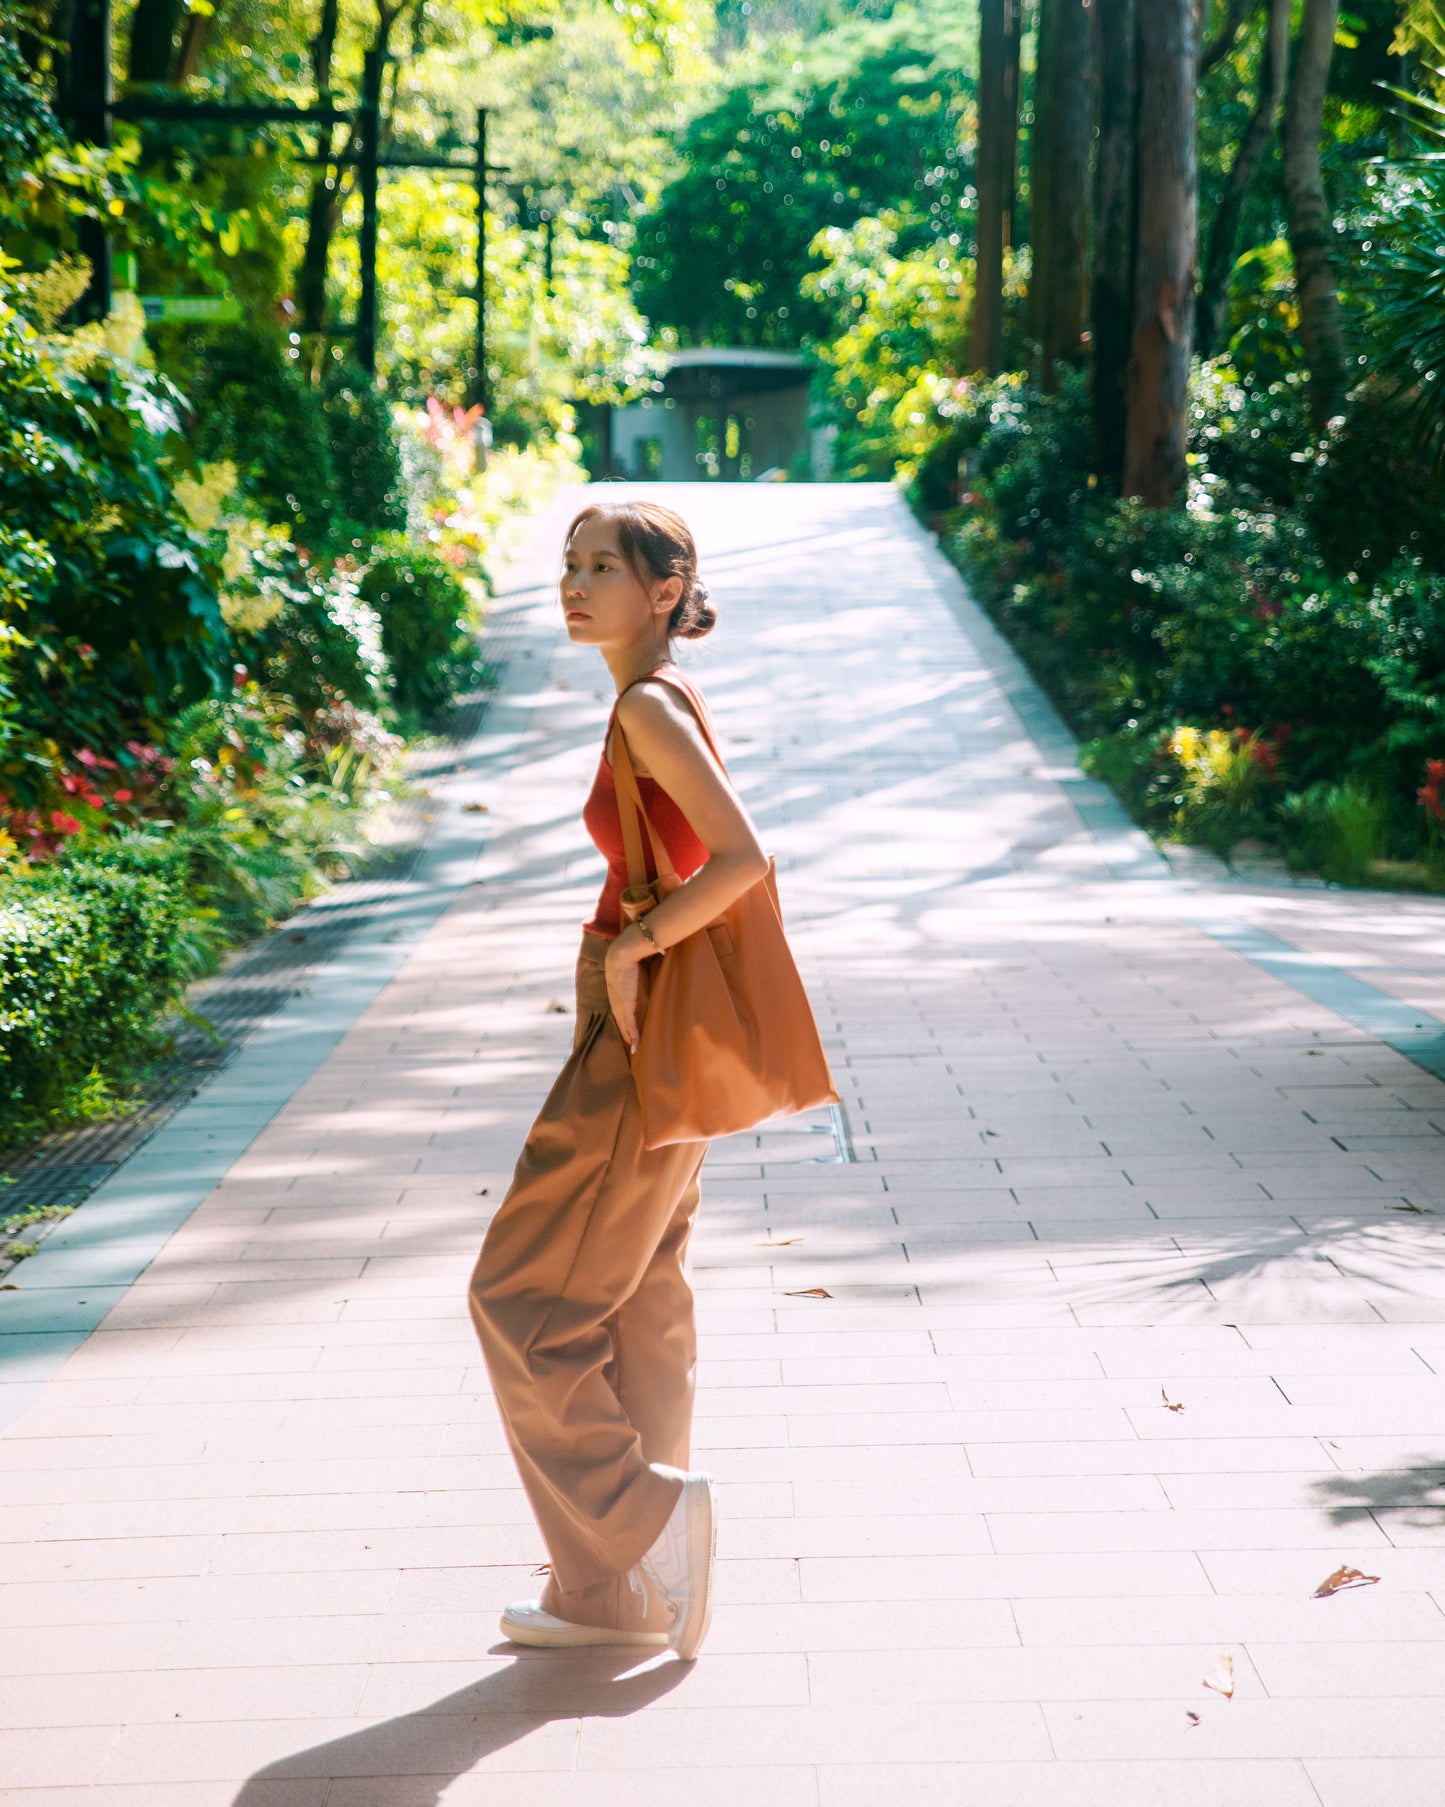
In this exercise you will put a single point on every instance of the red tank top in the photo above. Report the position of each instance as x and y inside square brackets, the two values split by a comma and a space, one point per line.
[603, 823]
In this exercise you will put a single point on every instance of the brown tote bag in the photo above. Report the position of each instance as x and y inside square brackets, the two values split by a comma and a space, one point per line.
[728, 1038]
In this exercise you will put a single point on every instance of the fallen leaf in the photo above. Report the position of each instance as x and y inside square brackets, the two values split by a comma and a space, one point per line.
[427, 816]
[1221, 1677]
[1193, 1718]
[783, 1242]
[1171, 1404]
[476, 809]
[556, 1007]
[11, 1287]
[1419, 1210]
[1342, 1578]
[562, 686]
[810, 1292]
[482, 1191]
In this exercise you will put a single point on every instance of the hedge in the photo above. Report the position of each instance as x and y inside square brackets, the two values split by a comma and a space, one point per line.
[90, 951]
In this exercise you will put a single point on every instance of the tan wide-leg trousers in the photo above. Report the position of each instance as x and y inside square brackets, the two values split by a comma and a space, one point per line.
[584, 1311]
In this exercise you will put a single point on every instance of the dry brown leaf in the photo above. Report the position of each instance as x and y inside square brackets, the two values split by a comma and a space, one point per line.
[1418, 1210]
[1342, 1578]
[1193, 1718]
[1221, 1677]
[810, 1292]
[1172, 1405]
[427, 816]
[9, 1287]
[555, 1007]
[783, 1242]
[476, 809]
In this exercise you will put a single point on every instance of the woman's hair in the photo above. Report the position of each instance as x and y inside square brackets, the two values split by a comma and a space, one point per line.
[657, 544]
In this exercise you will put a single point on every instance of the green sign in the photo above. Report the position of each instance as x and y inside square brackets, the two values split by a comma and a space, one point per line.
[212, 310]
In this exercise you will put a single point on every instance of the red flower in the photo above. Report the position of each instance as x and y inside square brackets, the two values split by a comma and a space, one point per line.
[124, 796]
[62, 823]
[1435, 771]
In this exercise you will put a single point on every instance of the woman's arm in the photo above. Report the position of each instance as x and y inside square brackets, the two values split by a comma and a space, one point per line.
[665, 740]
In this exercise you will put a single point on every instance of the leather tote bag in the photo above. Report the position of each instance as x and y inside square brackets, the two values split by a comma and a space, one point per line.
[728, 1038]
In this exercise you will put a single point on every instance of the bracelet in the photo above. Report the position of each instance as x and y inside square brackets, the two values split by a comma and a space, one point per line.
[640, 923]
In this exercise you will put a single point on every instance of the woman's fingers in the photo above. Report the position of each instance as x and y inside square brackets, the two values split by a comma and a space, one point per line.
[622, 994]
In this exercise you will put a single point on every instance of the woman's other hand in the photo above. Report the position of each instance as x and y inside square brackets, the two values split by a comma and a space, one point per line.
[621, 964]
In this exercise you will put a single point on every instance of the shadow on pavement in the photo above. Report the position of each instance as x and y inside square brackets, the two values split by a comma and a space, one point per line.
[1413, 1496]
[411, 1761]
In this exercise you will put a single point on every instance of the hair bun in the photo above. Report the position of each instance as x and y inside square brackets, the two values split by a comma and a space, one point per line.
[694, 616]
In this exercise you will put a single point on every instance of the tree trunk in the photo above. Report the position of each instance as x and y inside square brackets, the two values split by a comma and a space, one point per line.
[323, 211]
[998, 124]
[1163, 312]
[1059, 175]
[1116, 217]
[152, 40]
[193, 38]
[1224, 229]
[1311, 232]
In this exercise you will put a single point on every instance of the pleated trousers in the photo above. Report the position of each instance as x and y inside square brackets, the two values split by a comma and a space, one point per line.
[584, 1311]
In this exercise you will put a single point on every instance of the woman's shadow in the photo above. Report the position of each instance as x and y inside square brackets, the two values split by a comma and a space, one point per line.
[410, 1761]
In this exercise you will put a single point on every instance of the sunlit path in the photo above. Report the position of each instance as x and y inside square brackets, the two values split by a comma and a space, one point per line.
[1132, 1333]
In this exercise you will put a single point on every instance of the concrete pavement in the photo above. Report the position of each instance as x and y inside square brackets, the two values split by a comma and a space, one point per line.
[1130, 1235]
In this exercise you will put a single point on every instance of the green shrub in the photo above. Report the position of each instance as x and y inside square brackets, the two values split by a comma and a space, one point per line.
[91, 951]
[253, 408]
[1337, 830]
[365, 455]
[428, 623]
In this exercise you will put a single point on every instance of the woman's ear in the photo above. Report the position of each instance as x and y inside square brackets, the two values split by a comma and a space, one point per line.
[666, 595]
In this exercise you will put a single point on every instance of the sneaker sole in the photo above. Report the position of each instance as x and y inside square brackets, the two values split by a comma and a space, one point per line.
[687, 1636]
[574, 1637]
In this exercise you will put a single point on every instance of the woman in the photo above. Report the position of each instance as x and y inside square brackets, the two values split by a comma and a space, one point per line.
[580, 1296]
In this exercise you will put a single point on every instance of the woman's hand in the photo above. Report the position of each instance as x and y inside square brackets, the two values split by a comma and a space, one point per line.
[621, 963]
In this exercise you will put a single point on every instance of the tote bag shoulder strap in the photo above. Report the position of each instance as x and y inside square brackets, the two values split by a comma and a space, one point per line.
[631, 810]
[632, 814]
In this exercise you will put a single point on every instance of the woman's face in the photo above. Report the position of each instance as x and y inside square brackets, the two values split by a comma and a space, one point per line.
[602, 601]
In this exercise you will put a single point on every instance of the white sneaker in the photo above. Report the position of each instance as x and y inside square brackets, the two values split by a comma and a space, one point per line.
[680, 1563]
[527, 1623]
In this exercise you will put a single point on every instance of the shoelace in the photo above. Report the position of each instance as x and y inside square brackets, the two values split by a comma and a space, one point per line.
[638, 1585]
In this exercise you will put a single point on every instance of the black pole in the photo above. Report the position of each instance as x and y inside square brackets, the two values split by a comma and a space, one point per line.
[86, 102]
[367, 168]
[481, 389]
[548, 227]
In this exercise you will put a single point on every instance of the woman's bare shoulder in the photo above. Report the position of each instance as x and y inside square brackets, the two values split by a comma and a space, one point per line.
[653, 706]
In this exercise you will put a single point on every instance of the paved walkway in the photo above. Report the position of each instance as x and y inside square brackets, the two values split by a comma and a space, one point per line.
[1129, 1232]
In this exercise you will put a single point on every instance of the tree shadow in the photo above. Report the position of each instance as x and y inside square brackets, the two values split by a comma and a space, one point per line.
[1412, 1496]
[411, 1760]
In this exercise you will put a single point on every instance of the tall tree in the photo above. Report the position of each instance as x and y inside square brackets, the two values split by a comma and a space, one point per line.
[996, 175]
[1116, 221]
[1059, 183]
[1311, 233]
[323, 212]
[1224, 228]
[1165, 260]
[152, 40]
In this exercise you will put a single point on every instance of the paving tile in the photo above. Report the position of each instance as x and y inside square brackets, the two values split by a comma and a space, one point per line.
[260, 1518]
[1182, 1783]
